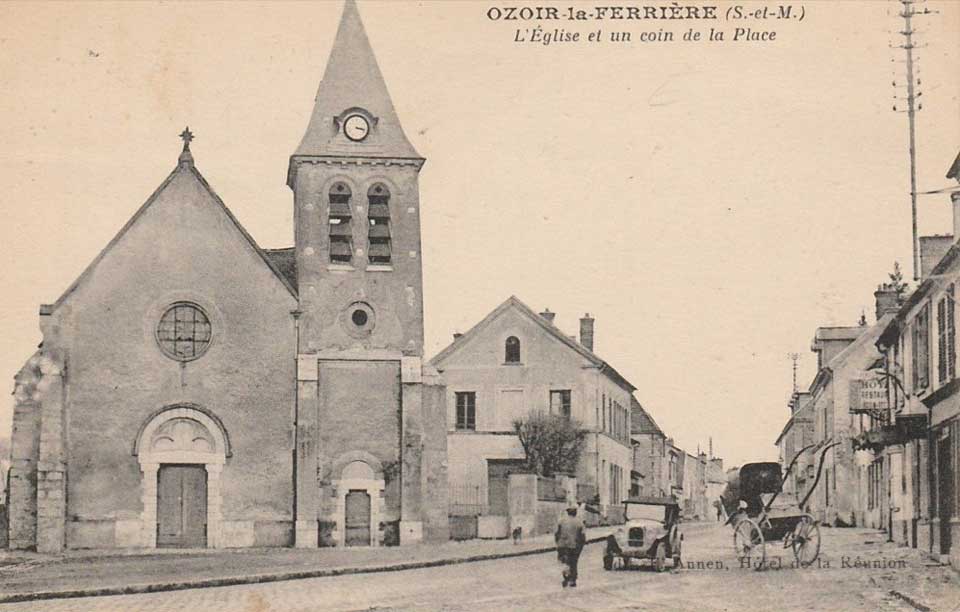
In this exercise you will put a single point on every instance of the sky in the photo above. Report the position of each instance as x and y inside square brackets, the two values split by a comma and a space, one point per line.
[710, 204]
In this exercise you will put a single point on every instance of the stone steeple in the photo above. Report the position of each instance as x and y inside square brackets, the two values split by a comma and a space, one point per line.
[352, 83]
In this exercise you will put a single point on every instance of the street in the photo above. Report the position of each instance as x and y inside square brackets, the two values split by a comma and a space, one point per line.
[858, 571]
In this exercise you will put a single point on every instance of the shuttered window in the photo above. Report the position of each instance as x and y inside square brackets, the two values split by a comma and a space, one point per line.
[920, 354]
[378, 230]
[560, 402]
[341, 230]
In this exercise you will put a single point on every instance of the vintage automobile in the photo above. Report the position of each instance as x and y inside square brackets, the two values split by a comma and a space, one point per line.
[651, 533]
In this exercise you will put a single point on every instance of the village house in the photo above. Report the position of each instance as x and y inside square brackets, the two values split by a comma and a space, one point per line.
[715, 485]
[796, 435]
[675, 459]
[515, 362]
[915, 441]
[649, 453]
[196, 390]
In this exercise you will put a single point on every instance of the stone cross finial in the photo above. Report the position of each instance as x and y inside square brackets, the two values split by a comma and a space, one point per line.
[186, 135]
[186, 158]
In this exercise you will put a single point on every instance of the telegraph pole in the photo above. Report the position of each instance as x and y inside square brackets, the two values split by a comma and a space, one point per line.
[795, 357]
[908, 13]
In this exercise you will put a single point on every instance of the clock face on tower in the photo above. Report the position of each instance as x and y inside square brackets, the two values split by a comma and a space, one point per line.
[356, 127]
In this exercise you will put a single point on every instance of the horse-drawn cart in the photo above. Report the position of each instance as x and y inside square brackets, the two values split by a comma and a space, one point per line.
[750, 503]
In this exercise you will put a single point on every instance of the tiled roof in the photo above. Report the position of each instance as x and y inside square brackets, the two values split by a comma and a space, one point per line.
[285, 261]
[640, 420]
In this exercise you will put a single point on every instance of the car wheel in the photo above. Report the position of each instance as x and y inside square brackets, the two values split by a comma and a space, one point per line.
[660, 563]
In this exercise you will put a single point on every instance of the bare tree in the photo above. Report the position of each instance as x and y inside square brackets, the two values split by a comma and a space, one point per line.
[552, 443]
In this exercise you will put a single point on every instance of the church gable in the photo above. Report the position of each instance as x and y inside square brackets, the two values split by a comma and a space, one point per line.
[183, 226]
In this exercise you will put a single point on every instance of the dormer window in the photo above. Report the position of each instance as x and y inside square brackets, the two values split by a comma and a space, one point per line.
[341, 232]
[511, 350]
[378, 232]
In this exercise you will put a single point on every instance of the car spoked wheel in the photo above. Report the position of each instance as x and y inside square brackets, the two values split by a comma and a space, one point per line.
[660, 563]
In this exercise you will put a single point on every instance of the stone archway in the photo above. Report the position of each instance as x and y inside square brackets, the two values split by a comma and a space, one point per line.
[358, 472]
[181, 435]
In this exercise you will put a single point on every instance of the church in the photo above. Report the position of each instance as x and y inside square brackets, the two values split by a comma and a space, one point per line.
[193, 389]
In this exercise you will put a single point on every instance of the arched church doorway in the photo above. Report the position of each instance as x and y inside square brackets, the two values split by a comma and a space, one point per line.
[181, 450]
[360, 504]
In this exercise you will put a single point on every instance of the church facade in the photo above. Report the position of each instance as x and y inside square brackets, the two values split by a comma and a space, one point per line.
[195, 390]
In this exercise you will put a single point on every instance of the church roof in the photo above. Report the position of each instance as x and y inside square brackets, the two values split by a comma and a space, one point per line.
[352, 80]
[185, 165]
[285, 261]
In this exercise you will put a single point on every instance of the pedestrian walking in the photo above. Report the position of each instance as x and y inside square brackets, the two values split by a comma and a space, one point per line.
[570, 538]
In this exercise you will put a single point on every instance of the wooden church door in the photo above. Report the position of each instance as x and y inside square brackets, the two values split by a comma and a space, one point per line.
[357, 518]
[182, 506]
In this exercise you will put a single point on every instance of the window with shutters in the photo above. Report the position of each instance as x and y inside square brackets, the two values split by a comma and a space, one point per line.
[341, 232]
[560, 402]
[466, 411]
[378, 233]
[946, 338]
[920, 337]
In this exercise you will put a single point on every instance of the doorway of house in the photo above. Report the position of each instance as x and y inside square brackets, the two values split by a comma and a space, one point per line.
[182, 506]
[357, 518]
[945, 490]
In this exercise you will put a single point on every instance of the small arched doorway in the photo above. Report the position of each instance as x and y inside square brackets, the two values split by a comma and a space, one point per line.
[181, 451]
[359, 494]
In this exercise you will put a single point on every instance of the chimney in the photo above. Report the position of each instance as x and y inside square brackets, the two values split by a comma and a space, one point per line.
[546, 314]
[887, 299]
[932, 250]
[586, 331]
[457, 335]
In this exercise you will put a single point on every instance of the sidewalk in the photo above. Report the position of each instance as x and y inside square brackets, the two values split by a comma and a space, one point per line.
[83, 573]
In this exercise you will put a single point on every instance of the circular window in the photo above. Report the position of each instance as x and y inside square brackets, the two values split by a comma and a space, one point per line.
[358, 319]
[184, 331]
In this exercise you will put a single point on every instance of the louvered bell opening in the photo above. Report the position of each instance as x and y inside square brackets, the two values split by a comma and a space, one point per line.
[379, 231]
[340, 251]
[339, 209]
[340, 230]
[379, 252]
[379, 211]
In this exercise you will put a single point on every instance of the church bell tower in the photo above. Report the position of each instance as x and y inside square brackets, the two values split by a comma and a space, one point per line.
[359, 432]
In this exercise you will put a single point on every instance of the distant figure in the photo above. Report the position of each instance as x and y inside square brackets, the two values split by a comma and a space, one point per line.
[570, 538]
[719, 511]
[517, 534]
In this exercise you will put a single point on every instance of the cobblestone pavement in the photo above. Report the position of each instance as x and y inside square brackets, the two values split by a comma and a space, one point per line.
[711, 581]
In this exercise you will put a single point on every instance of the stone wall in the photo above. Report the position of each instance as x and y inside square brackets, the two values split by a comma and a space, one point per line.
[117, 377]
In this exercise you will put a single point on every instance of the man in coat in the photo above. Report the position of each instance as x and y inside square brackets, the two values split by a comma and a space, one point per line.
[570, 539]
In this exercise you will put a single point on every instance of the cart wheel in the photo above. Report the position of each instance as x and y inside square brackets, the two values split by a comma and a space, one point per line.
[660, 563]
[749, 544]
[608, 562]
[806, 540]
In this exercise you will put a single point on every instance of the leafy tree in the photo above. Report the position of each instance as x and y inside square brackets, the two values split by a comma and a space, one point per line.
[552, 443]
